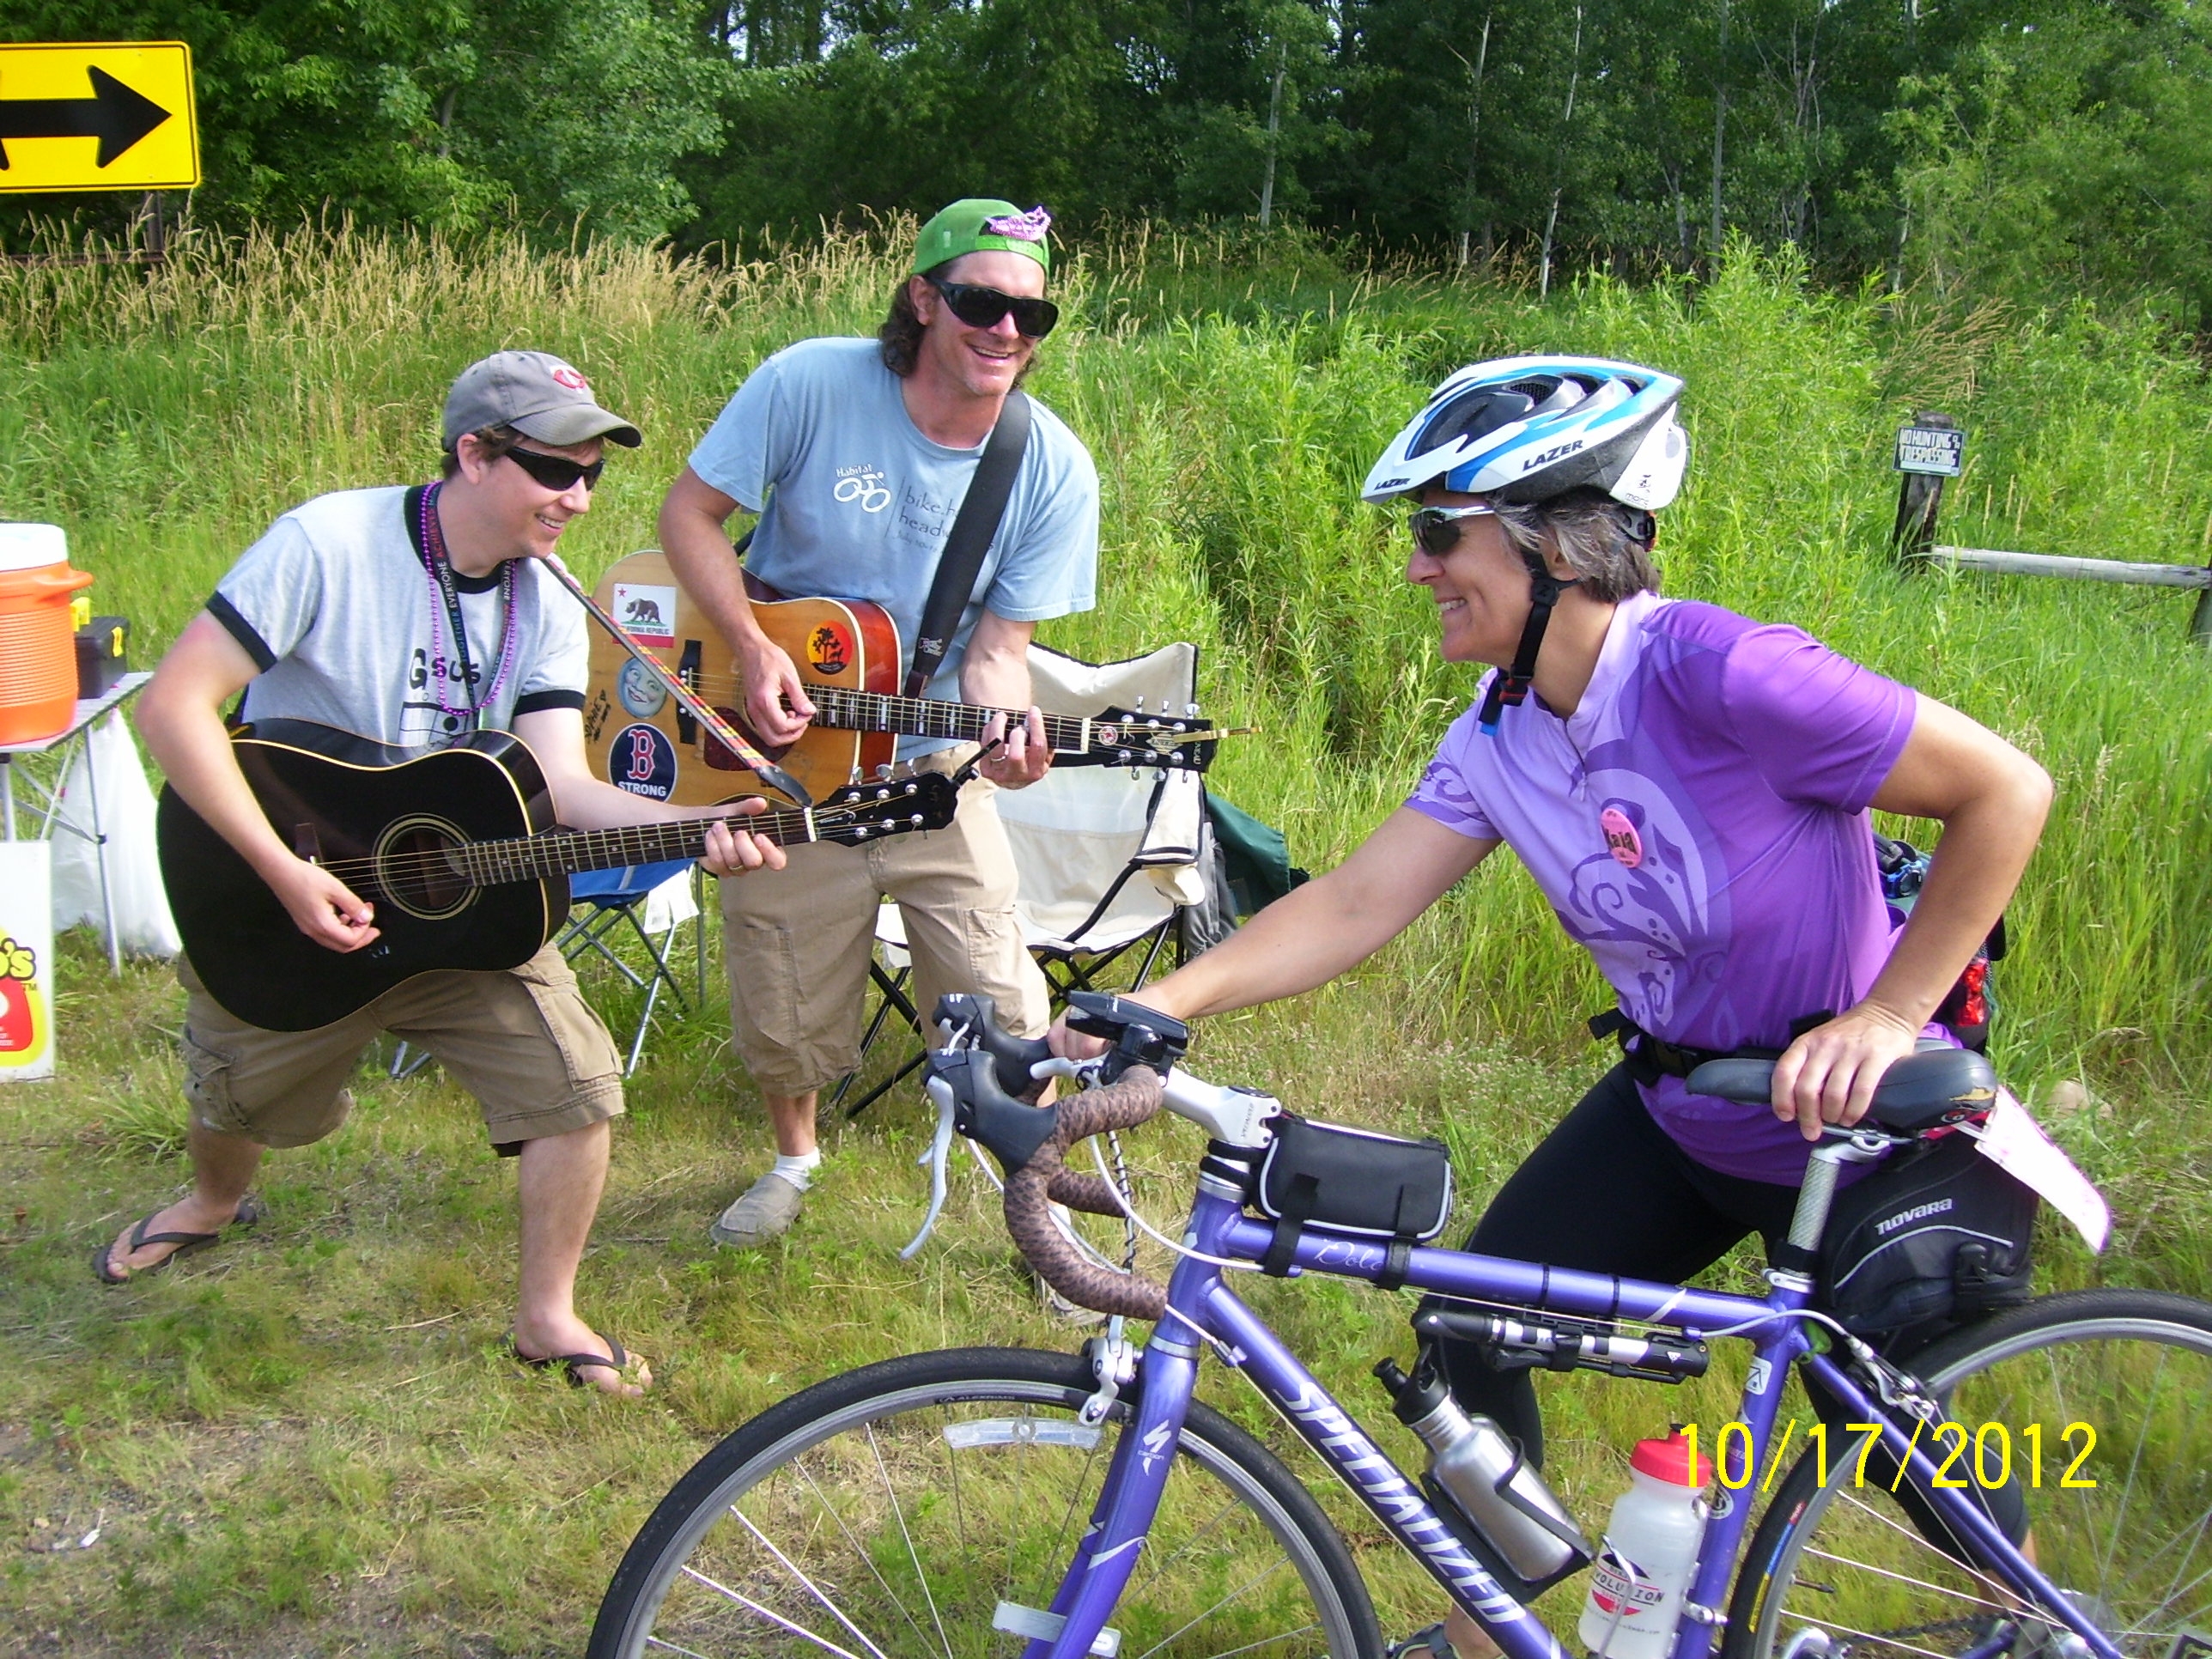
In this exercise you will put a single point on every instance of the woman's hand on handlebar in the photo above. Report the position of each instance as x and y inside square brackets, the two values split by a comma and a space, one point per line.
[1828, 1075]
[1073, 1045]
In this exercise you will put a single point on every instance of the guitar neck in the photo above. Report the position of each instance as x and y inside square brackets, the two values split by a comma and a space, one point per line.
[925, 717]
[566, 851]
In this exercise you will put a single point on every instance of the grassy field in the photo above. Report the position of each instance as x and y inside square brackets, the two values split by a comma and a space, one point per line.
[306, 1440]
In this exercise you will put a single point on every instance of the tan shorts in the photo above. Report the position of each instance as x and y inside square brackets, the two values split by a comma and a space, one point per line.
[796, 941]
[523, 1041]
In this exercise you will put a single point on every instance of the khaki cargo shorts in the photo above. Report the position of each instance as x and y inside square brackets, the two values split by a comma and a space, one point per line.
[523, 1041]
[796, 941]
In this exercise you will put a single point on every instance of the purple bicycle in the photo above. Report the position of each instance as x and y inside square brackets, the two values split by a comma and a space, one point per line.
[1001, 1502]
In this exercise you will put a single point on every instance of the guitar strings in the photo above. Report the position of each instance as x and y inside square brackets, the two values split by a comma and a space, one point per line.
[781, 827]
[1068, 727]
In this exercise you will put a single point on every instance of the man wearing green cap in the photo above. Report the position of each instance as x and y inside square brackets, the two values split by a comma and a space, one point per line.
[857, 454]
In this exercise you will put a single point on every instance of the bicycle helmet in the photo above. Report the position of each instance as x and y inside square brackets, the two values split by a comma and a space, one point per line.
[1524, 429]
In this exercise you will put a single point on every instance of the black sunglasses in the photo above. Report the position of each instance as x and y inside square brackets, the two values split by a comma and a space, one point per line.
[981, 307]
[557, 472]
[1436, 529]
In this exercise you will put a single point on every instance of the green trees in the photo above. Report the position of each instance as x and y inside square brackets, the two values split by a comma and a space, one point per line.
[2021, 146]
[446, 113]
[2070, 152]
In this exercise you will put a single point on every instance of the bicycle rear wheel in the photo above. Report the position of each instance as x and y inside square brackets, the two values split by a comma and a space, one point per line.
[929, 1506]
[1839, 1566]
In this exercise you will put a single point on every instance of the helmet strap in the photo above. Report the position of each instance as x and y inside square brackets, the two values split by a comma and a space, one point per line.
[1511, 688]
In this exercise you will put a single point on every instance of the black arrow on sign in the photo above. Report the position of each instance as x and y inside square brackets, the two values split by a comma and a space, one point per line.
[114, 114]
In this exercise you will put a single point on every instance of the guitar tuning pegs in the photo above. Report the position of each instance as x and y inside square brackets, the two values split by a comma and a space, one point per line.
[883, 772]
[1140, 702]
[1191, 709]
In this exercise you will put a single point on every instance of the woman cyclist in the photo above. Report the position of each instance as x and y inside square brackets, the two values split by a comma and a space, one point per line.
[1691, 789]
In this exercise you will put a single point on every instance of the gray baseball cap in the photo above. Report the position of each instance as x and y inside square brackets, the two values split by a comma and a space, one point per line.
[536, 393]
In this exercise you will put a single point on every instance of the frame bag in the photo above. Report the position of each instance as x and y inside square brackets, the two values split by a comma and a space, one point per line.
[1938, 1232]
[1351, 1180]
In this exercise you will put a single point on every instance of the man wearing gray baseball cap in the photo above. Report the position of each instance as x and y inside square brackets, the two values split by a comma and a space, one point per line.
[537, 394]
[414, 615]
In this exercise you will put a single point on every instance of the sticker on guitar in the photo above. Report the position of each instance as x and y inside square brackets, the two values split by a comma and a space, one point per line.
[829, 648]
[642, 760]
[648, 610]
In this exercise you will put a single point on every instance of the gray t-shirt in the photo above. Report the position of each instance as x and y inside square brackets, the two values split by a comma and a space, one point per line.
[338, 613]
[856, 502]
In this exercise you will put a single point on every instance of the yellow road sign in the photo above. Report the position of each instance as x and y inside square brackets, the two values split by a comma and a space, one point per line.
[100, 115]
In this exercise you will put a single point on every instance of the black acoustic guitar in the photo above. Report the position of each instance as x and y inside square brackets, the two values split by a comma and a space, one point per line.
[456, 849]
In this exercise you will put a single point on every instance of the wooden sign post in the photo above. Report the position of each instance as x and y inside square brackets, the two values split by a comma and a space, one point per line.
[1929, 451]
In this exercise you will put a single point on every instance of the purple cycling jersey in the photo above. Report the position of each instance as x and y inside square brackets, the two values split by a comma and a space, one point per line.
[1699, 823]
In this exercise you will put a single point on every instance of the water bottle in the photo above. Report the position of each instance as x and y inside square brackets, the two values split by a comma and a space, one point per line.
[1637, 1587]
[1484, 1473]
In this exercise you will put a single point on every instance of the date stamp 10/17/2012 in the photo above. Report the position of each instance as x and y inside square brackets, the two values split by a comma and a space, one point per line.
[1982, 1456]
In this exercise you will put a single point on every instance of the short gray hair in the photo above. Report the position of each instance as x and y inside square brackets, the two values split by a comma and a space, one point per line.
[1606, 545]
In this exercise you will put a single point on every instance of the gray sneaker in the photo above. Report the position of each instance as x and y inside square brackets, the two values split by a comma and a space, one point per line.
[764, 1209]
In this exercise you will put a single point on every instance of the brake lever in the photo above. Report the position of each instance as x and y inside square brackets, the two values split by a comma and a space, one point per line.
[937, 1157]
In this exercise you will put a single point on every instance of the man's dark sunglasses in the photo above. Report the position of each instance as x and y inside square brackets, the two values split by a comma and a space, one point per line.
[981, 307]
[557, 472]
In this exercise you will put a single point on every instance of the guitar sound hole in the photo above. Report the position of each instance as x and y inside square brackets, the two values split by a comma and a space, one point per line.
[415, 863]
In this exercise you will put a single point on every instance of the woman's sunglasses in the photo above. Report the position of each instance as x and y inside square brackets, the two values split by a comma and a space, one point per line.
[557, 472]
[981, 307]
[1436, 529]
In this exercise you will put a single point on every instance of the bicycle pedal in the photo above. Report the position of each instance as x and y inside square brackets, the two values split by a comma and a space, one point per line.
[1035, 1624]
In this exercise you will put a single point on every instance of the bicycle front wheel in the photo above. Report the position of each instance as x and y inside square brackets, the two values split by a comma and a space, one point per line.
[2086, 1420]
[929, 1506]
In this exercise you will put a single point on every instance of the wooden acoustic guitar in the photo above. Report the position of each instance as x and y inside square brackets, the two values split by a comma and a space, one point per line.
[455, 848]
[847, 652]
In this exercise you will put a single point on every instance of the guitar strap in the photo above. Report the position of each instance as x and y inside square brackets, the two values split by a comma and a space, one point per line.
[970, 538]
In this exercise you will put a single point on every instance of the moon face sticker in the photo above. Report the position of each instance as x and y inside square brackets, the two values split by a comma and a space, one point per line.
[642, 760]
[829, 648]
[641, 693]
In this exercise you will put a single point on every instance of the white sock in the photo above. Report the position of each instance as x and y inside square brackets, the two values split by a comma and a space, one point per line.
[799, 1169]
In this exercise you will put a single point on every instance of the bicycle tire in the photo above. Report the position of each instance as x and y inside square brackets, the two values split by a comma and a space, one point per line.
[1836, 1566]
[843, 1476]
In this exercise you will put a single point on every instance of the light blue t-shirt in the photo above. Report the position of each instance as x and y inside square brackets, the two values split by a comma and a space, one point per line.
[856, 502]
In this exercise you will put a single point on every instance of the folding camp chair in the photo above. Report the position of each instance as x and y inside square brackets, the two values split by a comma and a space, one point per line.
[652, 901]
[1107, 857]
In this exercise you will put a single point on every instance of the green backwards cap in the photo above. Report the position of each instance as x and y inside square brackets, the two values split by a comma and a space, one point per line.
[979, 224]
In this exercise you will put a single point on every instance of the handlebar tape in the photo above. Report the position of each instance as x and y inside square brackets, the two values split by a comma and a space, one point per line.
[1122, 1104]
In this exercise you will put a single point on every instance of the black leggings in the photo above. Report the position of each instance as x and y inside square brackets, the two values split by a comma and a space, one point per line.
[1608, 1191]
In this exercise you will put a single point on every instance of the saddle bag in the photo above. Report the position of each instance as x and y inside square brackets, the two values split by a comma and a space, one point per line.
[1938, 1232]
[1351, 1180]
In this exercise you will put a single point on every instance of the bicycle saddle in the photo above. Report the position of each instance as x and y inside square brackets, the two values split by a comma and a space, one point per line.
[1920, 1092]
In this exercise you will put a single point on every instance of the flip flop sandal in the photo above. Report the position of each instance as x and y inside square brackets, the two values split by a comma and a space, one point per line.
[103, 1259]
[617, 1358]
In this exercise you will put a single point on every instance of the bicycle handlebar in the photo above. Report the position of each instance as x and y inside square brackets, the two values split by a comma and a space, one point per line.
[983, 1078]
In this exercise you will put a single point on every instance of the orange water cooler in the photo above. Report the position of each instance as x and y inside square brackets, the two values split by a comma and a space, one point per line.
[38, 637]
